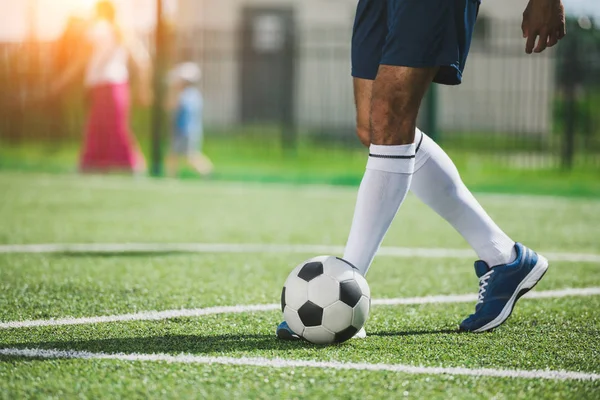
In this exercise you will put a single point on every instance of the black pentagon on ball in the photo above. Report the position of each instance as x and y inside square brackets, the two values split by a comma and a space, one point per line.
[311, 270]
[283, 299]
[350, 292]
[311, 314]
[346, 334]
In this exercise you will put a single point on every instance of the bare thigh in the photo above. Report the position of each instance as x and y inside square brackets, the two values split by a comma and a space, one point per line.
[395, 100]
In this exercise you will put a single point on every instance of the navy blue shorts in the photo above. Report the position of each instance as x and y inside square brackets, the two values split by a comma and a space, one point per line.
[413, 33]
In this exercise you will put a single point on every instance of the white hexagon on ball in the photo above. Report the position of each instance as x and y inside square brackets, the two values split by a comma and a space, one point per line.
[323, 290]
[293, 319]
[318, 335]
[338, 269]
[337, 316]
[361, 312]
[296, 292]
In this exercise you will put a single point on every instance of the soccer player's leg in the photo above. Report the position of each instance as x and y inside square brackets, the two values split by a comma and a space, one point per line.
[401, 66]
[396, 98]
[437, 183]
[506, 269]
[368, 39]
[386, 120]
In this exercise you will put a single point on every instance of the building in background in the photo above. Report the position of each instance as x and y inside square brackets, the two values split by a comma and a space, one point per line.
[242, 45]
[279, 70]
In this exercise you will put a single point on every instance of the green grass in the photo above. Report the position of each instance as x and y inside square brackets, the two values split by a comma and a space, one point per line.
[44, 379]
[559, 333]
[253, 155]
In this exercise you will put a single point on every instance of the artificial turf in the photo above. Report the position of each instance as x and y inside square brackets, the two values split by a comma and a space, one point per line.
[554, 333]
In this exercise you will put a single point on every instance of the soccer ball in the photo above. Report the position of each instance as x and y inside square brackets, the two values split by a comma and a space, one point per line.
[325, 300]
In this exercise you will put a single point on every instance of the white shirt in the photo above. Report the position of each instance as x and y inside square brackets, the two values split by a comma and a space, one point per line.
[108, 63]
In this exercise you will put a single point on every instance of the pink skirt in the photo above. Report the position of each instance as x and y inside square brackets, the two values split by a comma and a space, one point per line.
[108, 143]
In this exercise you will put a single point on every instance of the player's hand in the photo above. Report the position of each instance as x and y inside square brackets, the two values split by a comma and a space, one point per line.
[544, 19]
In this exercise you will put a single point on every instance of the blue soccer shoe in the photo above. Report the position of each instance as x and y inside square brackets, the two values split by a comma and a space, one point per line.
[501, 286]
[284, 332]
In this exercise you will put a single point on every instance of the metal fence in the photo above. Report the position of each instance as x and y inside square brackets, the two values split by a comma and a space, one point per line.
[295, 92]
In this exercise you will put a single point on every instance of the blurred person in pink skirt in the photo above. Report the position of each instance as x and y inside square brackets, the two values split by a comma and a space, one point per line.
[109, 145]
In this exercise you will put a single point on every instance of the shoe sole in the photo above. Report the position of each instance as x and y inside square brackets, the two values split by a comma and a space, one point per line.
[361, 334]
[284, 334]
[536, 274]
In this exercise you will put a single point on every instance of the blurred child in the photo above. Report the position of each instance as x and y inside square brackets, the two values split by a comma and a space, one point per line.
[186, 106]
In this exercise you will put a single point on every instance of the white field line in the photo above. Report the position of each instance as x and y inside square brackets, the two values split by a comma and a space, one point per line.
[560, 375]
[240, 309]
[141, 316]
[227, 248]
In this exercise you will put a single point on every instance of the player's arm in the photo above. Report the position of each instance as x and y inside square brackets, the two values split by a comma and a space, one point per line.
[544, 19]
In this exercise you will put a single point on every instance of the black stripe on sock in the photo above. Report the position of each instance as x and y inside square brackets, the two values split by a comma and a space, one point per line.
[420, 142]
[347, 262]
[392, 157]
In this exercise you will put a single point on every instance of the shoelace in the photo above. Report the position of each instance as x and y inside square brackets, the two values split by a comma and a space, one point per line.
[483, 282]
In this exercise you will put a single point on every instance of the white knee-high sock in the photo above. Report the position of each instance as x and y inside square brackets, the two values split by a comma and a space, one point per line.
[382, 191]
[437, 183]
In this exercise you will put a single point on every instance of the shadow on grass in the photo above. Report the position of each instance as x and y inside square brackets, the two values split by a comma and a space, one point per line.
[417, 333]
[197, 344]
[174, 344]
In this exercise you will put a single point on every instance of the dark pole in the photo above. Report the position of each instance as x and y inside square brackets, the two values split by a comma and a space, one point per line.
[572, 73]
[158, 113]
[568, 149]
[288, 60]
